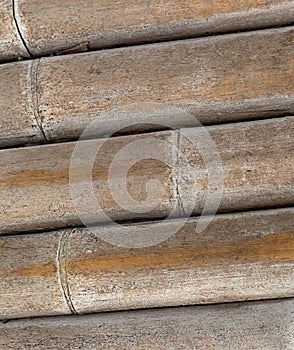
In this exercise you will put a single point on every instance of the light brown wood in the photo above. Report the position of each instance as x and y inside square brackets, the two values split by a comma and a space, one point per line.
[20, 292]
[35, 183]
[255, 325]
[216, 79]
[11, 45]
[255, 158]
[18, 119]
[68, 26]
[245, 256]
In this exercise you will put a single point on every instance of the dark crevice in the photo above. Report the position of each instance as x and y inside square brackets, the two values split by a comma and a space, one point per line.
[135, 221]
[176, 38]
[47, 142]
[19, 31]
[210, 305]
[35, 96]
[86, 47]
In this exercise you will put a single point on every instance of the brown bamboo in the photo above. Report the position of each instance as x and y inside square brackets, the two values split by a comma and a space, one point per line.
[71, 26]
[252, 325]
[245, 256]
[214, 80]
[252, 161]
[11, 44]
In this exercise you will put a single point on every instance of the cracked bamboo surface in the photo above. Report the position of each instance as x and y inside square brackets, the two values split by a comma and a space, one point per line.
[241, 256]
[253, 161]
[99, 24]
[215, 79]
[252, 325]
[11, 44]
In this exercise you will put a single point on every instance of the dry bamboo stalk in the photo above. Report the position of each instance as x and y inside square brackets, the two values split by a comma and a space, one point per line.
[72, 26]
[216, 79]
[18, 122]
[256, 159]
[241, 256]
[252, 325]
[11, 44]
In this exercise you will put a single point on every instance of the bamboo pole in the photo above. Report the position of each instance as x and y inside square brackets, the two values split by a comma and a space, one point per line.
[239, 166]
[252, 325]
[11, 44]
[61, 27]
[216, 79]
[241, 256]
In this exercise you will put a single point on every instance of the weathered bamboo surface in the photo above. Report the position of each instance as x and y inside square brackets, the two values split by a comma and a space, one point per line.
[11, 44]
[255, 168]
[243, 256]
[243, 326]
[215, 79]
[71, 26]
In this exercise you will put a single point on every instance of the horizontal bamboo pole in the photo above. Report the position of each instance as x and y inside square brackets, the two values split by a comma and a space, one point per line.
[252, 161]
[241, 256]
[72, 26]
[252, 325]
[216, 79]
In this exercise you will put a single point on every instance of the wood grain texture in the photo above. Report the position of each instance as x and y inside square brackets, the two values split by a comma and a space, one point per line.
[216, 79]
[19, 290]
[256, 160]
[54, 27]
[11, 45]
[244, 256]
[35, 183]
[18, 120]
[252, 325]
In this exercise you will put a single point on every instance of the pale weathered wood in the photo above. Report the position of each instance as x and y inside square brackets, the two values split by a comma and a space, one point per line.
[35, 189]
[215, 79]
[20, 289]
[60, 27]
[241, 326]
[18, 121]
[256, 158]
[245, 256]
[11, 45]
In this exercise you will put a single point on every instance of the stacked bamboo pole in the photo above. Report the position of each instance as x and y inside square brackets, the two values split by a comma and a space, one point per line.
[256, 325]
[253, 161]
[245, 256]
[31, 28]
[215, 80]
[59, 256]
